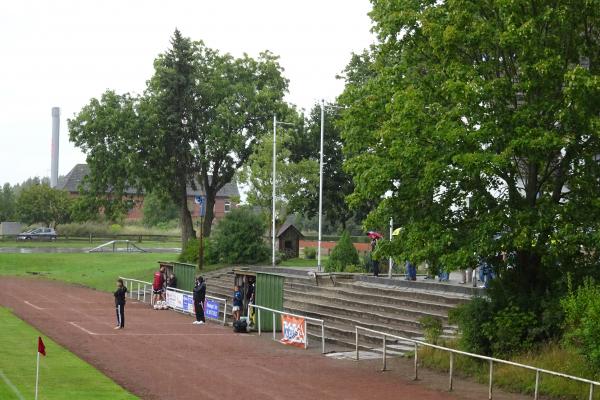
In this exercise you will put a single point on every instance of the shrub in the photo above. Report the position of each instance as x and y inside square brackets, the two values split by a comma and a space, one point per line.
[342, 255]
[510, 331]
[310, 253]
[355, 269]
[239, 238]
[432, 327]
[189, 253]
[582, 321]
[470, 318]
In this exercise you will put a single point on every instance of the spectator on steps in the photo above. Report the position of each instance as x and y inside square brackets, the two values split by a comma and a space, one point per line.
[199, 297]
[411, 271]
[374, 260]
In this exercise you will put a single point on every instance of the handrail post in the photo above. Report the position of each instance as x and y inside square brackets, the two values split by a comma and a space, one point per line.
[138, 292]
[591, 391]
[274, 337]
[356, 340]
[305, 335]
[416, 362]
[322, 338]
[225, 313]
[451, 371]
[491, 379]
[384, 355]
[258, 321]
[145, 286]
[537, 384]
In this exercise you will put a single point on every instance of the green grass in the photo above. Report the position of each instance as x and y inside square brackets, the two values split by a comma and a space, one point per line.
[62, 374]
[549, 356]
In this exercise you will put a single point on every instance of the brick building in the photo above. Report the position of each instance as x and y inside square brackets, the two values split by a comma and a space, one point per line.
[223, 203]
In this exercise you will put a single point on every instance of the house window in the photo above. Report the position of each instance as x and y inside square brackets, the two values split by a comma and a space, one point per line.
[227, 206]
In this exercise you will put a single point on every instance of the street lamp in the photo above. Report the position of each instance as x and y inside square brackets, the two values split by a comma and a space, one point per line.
[274, 181]
[319, 267]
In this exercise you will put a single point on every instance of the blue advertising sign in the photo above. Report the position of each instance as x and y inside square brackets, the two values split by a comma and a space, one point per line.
[201, 200]
[212, 309]
[188, 303]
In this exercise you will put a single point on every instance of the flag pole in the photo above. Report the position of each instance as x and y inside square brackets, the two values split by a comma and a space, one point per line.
[37, 375]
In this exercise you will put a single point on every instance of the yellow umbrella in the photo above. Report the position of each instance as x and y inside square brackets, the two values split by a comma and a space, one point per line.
[396, 231]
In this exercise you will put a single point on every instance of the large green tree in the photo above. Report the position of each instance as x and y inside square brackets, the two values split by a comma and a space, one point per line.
[43, 204]
[7, 203]
[475, 124]
[194, 127]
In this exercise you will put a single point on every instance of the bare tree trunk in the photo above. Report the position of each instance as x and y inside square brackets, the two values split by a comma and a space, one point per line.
[209, 216]
[185, 219]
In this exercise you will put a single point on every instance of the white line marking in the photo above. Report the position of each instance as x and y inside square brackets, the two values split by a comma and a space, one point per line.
[82, 328]
[33, 305]
[10, 385]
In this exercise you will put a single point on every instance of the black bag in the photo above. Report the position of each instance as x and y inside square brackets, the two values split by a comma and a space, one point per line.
[240, 326]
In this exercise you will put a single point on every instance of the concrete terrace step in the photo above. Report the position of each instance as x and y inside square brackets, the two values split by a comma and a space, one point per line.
[398, 299]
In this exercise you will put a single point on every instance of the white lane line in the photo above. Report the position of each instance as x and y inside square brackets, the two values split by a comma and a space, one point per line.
[10, 385]
[82, 328]
[33, 305]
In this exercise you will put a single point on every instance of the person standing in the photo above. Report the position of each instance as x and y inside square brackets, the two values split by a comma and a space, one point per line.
[158, 288]
[199, 297]
[120, 303]
[374, 260]
[238, 303]
[172, 281]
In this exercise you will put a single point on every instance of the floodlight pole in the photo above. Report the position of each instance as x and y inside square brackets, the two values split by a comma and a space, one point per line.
[319, 267]
[274, 183]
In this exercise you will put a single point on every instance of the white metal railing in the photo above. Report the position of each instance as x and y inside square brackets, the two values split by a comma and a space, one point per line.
[315, 320]
[452, 352]
[224, 301]
[129, 283]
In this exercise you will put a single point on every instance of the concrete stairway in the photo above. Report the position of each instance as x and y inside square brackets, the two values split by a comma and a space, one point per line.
[345, 301]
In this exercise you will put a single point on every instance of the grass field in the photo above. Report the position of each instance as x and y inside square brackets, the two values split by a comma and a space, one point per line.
[62, 374]
[95, 270]
[302, 262]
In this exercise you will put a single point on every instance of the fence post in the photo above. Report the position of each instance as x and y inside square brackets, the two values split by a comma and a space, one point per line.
[491, 379]
[416, 362]
[145, 292]
[305, 335]
[591, 391]
[356, 333]
[384, 354]
[537, 384]
[225, 313]
[274, 337]
[258, 309]
[322, 338]
[451, 371]
[138, 292]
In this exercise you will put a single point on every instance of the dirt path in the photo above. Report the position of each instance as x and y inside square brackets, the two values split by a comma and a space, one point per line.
[161, 355]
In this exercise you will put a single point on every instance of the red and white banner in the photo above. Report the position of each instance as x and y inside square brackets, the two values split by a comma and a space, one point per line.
[293, 331]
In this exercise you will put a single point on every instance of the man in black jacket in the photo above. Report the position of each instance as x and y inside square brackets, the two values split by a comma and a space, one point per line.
[120, 304]
[199, 296]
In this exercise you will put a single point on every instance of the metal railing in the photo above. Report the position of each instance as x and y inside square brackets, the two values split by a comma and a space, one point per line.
[315, 320]
[452, 352]
[224, 301]
[145, 286]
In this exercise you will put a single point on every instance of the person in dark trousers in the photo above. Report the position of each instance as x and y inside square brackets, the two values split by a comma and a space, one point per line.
[199, 297]
[120, 303]
[172, 281]
[373, 260]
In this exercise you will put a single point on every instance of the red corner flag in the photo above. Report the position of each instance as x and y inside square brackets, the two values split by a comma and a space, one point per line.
[41, 347]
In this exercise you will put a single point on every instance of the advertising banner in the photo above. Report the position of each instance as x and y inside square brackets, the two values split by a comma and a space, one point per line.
[211, 309]
[188, 303]
[293, 331]
[174, 299]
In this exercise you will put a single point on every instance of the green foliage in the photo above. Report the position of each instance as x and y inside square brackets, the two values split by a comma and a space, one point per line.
[355, 269]
[42, 204]
[432, 327]
[191, 250]
[8, 203]
[196, 124]
[310, 253]
[470, 318]
[343, 255]
[158, 209]
[511, 331]
[582, 322]
[239, 238]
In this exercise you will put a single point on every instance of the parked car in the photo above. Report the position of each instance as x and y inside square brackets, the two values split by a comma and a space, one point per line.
[38, 234]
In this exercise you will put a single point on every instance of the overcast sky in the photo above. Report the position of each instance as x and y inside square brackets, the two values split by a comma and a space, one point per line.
[64, 52]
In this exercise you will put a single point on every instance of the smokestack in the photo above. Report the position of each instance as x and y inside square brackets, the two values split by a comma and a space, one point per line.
[54, 151]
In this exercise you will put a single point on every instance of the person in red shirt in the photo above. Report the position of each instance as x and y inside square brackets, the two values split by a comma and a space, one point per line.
[158, 287]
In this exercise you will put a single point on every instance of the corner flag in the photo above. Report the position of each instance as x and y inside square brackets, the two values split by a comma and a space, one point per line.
[41, 347]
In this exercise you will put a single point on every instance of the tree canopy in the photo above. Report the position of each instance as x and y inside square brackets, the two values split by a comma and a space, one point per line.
[43, 204]
[194, 127]
[475, 125]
